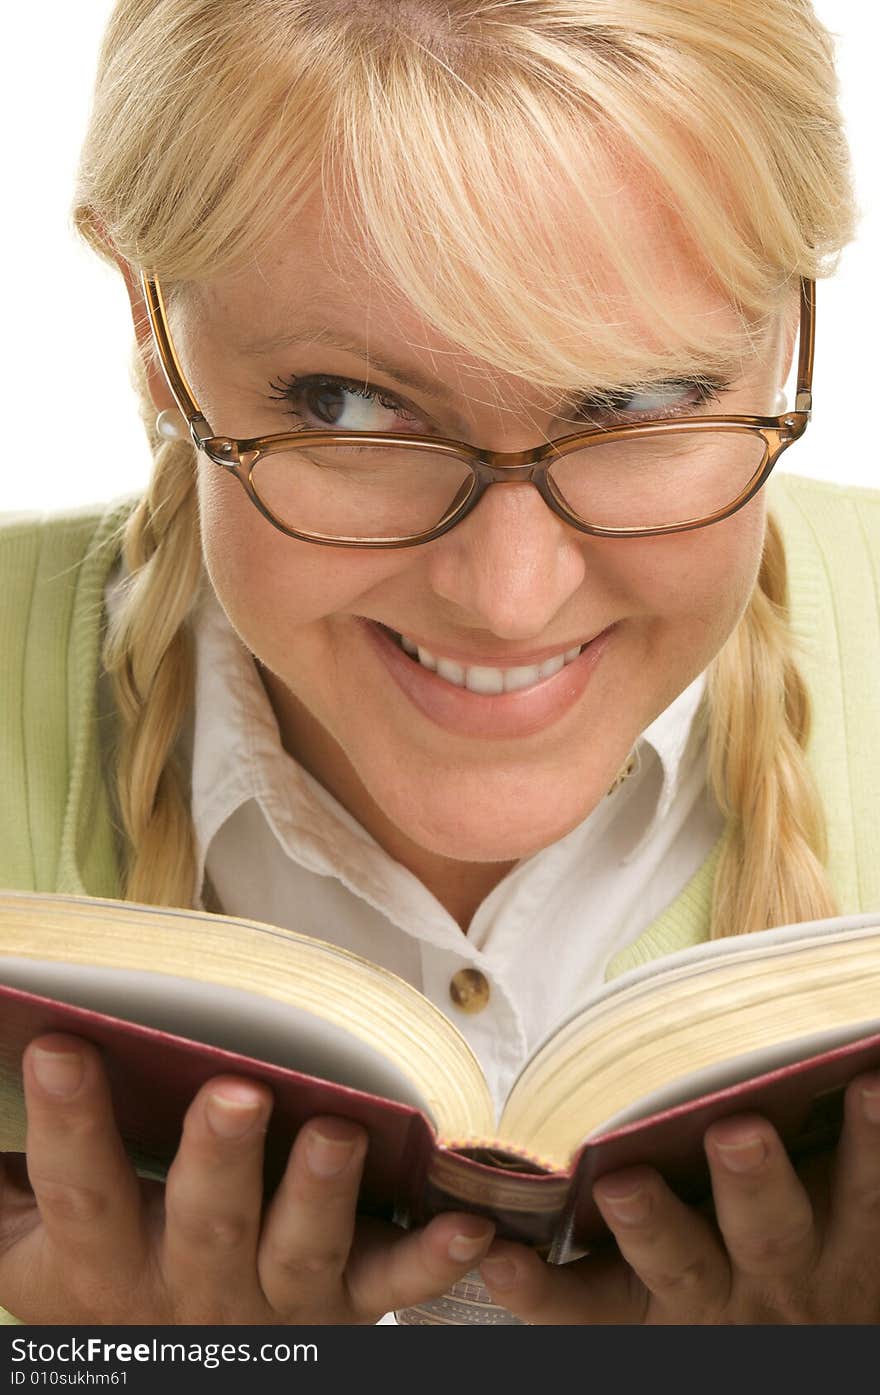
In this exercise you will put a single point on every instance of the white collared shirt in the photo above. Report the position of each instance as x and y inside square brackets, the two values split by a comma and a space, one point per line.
[279, 848]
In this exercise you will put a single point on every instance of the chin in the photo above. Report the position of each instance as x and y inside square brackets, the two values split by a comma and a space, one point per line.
[478, 836]
[486, 813]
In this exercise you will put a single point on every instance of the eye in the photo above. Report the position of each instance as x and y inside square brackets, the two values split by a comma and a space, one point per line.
[326, 402]
[656, 401]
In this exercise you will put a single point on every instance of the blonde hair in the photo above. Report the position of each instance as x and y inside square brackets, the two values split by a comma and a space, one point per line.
[432, 124]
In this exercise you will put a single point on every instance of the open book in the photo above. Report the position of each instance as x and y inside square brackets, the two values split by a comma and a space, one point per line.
[777, 1022]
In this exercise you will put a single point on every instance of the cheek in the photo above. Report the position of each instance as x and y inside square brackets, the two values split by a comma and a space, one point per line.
[702, 578]
[270, 584]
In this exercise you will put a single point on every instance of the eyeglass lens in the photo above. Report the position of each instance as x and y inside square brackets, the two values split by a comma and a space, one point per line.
[373, 492]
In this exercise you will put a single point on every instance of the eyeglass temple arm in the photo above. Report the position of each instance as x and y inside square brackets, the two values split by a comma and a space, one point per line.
[174, 374]
[804, 393]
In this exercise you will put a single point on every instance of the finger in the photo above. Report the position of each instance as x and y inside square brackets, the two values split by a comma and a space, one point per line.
[763, 1210]
[309, 1224]
[315, 1259]
[214, 1198]
[670, 1247]
[389, 1270]
[854, 1225]
[669, 1266]
[84, 1184]
[597, 1290]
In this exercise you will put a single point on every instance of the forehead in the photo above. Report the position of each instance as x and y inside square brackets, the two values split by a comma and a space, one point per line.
[319, 252]
[320, 271]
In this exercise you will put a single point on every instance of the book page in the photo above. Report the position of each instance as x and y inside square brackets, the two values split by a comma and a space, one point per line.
[706, 956]
[230, 1018]
[733, 1071]
[637, 1045]
[378, 1016]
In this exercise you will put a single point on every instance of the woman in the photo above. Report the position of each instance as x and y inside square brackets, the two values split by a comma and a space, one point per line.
[531, 733]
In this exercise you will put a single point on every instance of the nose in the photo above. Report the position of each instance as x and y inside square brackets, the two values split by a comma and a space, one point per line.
[511, 565]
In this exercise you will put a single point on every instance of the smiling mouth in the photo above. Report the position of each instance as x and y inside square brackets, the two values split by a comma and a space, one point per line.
[481, 678]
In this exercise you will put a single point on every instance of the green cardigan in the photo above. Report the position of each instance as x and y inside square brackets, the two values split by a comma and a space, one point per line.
[56, 832]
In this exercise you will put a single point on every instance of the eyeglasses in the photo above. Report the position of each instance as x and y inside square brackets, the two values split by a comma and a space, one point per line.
[364, 489]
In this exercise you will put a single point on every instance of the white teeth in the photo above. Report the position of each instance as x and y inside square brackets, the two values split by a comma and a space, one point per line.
[453, 673]
[479, 678]
[484, 680]
[521, 677]
[551, 666]
[427, 660]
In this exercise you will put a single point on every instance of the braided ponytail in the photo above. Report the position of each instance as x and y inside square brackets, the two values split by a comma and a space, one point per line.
[771, 868]
[148, 654]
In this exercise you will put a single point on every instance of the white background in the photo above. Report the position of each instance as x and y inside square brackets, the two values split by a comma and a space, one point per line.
[67, 338]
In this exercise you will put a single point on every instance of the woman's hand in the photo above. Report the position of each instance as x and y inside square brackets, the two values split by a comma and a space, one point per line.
[784, 1248]
[93, 1243]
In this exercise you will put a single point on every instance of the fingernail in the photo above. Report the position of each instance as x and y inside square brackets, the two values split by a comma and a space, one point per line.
[233, 1111]
[632, 1205]
[59, 1072]
[743, 1154]
[498, 1273]
[327, 1157]
[871, 1105]
[464, 1248]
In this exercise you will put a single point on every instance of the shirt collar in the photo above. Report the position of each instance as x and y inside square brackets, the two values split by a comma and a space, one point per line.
[675, 737]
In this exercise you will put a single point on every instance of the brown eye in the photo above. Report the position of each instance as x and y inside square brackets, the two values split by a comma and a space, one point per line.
[325, 401]
[328, 403]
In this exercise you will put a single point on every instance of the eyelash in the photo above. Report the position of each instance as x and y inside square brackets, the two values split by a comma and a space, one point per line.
[287, 390]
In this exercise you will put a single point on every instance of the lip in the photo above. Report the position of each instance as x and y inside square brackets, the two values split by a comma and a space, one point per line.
[527, 659]
[503, 716]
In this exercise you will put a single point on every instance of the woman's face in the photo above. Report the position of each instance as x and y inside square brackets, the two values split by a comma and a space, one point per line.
[457, 774]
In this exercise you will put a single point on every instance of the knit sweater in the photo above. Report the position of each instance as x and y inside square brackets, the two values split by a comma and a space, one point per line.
[56, 829]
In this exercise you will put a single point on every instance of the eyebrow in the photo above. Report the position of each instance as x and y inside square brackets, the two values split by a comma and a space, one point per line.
[574, 405]
[326, 338]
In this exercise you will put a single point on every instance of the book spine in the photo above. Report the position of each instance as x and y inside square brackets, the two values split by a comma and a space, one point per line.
[525, 1205]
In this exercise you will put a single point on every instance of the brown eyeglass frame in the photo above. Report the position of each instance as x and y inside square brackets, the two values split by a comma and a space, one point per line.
[239, 456]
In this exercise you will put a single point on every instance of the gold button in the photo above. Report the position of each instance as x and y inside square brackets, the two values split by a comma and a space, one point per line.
[469, 990]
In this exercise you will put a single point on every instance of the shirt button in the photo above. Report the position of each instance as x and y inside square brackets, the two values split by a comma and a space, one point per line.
[469, 990]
